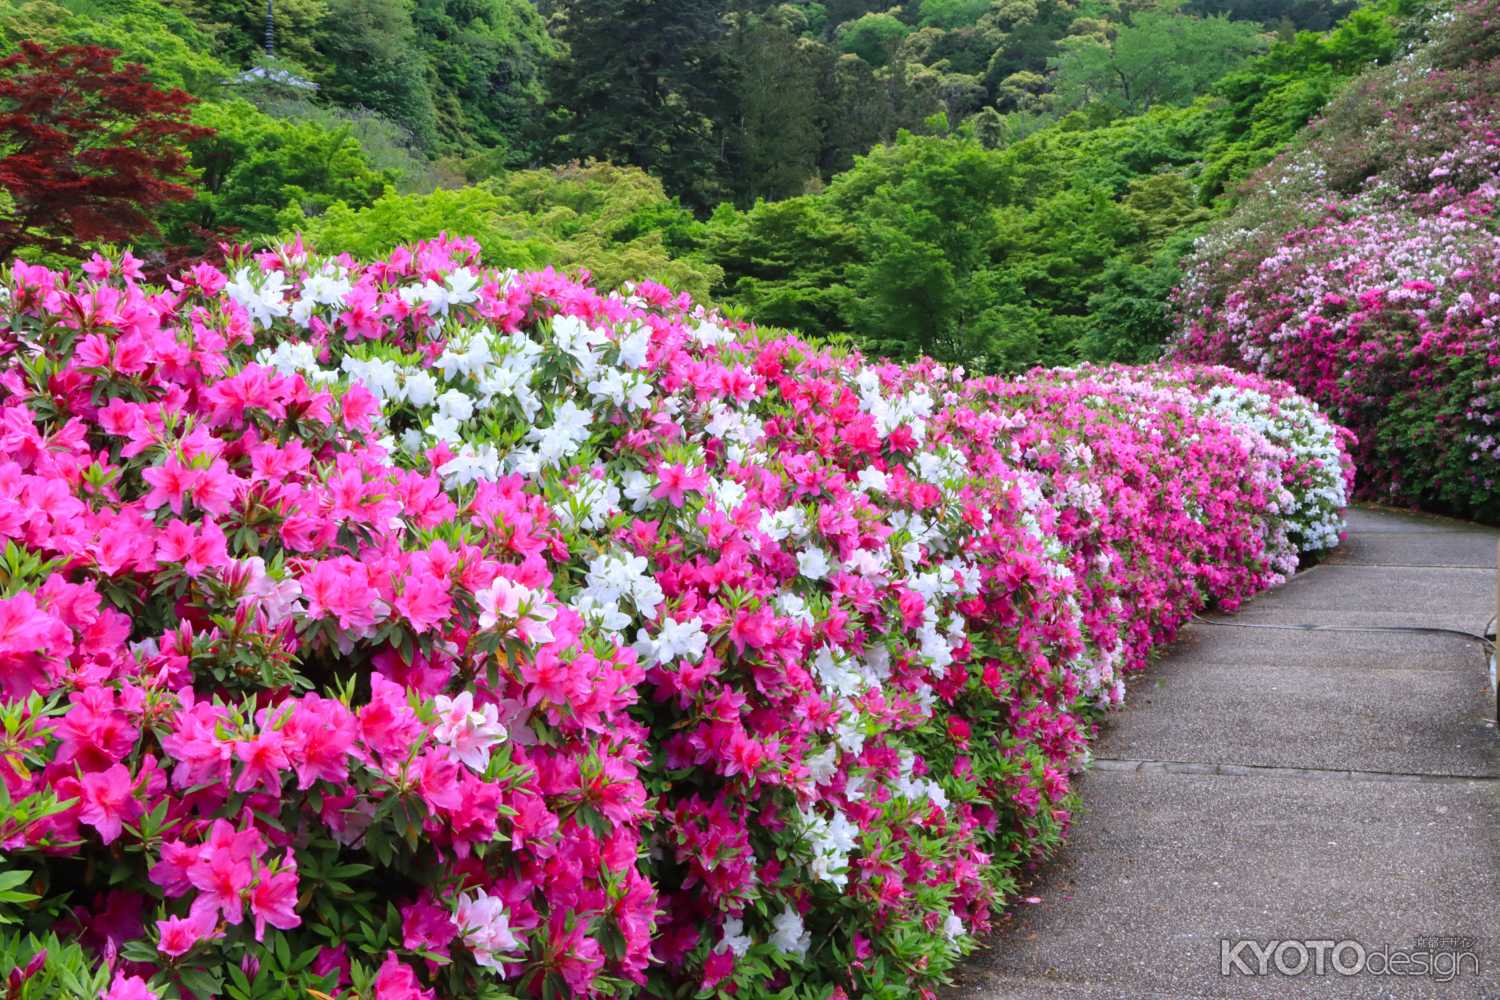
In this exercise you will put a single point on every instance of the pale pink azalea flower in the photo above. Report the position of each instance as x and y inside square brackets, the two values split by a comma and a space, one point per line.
[469, 733]
[507, 601]
[485, 928]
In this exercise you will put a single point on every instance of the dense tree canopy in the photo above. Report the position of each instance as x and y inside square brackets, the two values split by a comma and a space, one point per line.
[654, 103]
[488, 60]
[1157, 58]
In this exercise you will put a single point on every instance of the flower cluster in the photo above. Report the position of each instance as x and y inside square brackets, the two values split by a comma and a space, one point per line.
[409, 629]
[1364, 269]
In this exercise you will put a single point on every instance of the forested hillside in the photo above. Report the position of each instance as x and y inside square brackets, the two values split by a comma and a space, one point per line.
[1363, 267]
[999, 183]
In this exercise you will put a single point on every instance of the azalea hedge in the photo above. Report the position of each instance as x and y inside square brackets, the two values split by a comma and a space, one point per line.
[409, 629]
[1364, 268]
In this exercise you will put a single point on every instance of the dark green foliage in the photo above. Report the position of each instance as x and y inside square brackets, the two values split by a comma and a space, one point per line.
[370, 56]
[458, 75]
[486, 60]
[785, 262]
[1047, 251]
[1299, 15]
[1058, 247]
[239, 27]
[951, 13]
[777, 139]
[655, 102]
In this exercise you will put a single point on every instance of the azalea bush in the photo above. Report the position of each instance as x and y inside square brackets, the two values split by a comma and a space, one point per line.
[1364, 269]
[412, 629]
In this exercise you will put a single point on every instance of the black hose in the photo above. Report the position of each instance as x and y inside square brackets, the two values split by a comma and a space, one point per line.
[1488, 641]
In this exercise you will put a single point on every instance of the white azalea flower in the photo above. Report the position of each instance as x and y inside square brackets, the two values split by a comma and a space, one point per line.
[265, 299]
[812, 562]
[789, 935]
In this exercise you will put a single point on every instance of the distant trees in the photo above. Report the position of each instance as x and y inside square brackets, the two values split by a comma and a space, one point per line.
[647, 84]
[460, 76]
[369, 53]
[1051, 248]
[1303, 15]
[721, 105]
[777, 135]
[88, 150]
[1157, 58]
[487, 60]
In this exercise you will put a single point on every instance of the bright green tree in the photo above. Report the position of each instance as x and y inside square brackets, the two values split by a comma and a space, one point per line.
[1158, 58]
[787, 263]
[606, 220]
[924, 209]
[951, 13]
[873, 37]
[176, 51]
[254, 167]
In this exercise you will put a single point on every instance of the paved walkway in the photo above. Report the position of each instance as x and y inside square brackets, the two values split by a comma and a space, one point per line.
[1272, 785]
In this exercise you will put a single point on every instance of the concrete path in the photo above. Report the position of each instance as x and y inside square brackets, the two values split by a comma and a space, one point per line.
[1277, 785]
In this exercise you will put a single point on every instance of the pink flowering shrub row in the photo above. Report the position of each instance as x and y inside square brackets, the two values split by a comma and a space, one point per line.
[408, 629]
[1365, 270]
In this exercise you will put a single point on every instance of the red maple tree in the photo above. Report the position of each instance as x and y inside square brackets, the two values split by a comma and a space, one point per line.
[88, 148]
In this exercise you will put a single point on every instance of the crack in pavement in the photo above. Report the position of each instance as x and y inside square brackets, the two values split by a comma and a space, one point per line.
[1123, 764]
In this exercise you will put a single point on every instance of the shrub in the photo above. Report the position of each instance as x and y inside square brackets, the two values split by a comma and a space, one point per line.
[409, 629]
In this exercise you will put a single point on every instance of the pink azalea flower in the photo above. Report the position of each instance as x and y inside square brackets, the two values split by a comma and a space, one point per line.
[427, 927]
[883, 552]
[508, 601]
[395, 980]
[108, 802]
[469, 733]
[675, 482]
[424, 602]
[176, 936]
[223, 870]
[274, 899]
[485, 927]
[124, 987]
[22, 624]
[264, 756]
[171, 483]
[318, 737]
